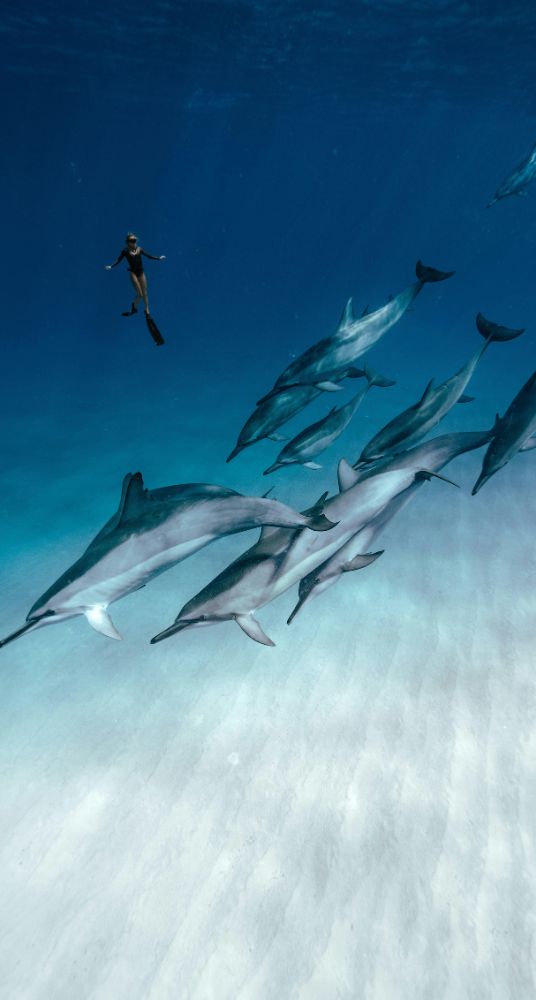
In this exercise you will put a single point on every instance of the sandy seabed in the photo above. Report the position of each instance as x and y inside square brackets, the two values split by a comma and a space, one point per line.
[348, 815]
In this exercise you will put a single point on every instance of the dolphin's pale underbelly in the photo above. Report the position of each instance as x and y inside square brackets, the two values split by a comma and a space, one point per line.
[121, 573]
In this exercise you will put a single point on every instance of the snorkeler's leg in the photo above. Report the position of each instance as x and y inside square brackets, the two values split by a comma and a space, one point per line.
[137, 289]
[143, 292]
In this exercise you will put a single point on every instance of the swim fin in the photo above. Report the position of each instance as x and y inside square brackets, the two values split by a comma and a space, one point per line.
[131, 311]
[153, 330]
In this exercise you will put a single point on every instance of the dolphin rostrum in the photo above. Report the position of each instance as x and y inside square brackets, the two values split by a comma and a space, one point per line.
[410, 426]
[432, 455]
[151, 531]
[512, 433]
[280, 558]
[518, 181]
[322, 364]
[318, 436]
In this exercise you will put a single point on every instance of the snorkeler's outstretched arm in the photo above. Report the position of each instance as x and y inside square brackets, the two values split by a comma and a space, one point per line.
[108, 267]
[151, 256]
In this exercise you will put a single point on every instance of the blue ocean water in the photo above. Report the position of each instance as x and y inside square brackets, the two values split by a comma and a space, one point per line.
[181, 819]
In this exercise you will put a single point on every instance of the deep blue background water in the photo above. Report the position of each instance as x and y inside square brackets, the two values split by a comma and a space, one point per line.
[283, 156]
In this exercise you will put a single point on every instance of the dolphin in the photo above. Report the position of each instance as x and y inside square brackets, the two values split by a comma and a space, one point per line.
[151, 531]
[322, 364]
[282, 557]
[432, 455]
[320, 435]
[517, 182]
[410, 426]
[512, 433]
[274, 411]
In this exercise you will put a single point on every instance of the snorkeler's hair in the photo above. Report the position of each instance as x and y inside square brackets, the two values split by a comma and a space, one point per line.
[130, 236]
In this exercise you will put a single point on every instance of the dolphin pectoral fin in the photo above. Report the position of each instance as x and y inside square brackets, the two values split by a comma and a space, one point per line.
[426, 474]
[365, 312]
[466, 399]
[360, 561]
[529, 445]
[311, 465]
[346, 476]
[328, 386]
[100, 620]
[251, 627]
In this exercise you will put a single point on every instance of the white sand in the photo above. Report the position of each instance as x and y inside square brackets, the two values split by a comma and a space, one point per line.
[349, 815]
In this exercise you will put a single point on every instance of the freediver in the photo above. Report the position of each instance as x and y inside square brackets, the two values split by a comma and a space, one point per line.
[133, 254]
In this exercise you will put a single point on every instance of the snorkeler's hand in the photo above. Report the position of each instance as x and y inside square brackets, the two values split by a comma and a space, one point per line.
[163, 257]
[107, 267]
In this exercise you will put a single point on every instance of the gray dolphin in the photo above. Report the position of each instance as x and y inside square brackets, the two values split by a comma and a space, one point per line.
[274, 411]
[517, 182]
[322, 364]
[512, 433]
[151, 531]
[410, 426]
[433, 455]
[280, 558]
[319, 436]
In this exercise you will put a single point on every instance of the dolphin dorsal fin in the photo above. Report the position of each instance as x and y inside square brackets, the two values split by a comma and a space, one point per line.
[426, 392]
[252, 627]
[347, 314]
[133, 497]
[346, 476]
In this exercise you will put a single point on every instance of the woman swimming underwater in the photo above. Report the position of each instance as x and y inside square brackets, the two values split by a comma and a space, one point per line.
[133, 254]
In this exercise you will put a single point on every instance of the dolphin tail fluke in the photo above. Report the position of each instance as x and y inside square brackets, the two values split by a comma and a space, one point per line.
[495, 332]
[317, 520]
[20, 631]
[253, 629]
[430, 274]
[153, 330]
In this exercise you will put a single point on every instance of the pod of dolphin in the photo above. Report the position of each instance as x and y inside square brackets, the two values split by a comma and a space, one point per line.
[153, 530]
